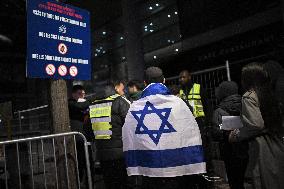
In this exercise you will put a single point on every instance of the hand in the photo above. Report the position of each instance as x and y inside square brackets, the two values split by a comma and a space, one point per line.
[233, 135]
[81, 100]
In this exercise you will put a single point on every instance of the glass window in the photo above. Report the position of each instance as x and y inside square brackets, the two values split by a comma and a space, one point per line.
[161, 20]
[161, 38]
[148, 8]
[112, 57]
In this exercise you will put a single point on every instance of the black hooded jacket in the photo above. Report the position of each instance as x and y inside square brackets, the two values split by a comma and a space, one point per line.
[229, 106]
[112, 149]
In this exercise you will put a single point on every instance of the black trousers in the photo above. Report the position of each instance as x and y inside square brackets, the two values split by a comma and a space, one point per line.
[163, 183]
[206, 143]
[115, 175]
[236, 169]
[82, 161]
[195, 182]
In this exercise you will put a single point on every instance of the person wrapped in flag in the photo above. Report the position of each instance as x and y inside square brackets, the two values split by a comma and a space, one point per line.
[161, 138]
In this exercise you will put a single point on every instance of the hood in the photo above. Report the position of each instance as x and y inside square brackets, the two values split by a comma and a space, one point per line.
[154, 89]
[232, 104]
[136, 95]
[225, 89]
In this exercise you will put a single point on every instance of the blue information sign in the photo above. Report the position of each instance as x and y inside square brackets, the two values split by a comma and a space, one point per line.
[58, 45]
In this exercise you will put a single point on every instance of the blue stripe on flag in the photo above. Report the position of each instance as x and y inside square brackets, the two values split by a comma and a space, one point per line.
[164, 158]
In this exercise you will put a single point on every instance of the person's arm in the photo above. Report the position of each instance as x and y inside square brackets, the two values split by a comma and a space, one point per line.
[207, 108]
[119, 110]
[82, 106]
[251, 118]
[216, 133]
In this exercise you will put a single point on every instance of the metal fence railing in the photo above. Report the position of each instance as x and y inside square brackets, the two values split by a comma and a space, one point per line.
[33, 119]
[48, 161]
[26, 123]
[209, 79]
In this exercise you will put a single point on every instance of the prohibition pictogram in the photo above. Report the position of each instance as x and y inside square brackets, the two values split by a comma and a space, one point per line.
[50, 69]
[73, 71]
[62, 70]
[62, 48]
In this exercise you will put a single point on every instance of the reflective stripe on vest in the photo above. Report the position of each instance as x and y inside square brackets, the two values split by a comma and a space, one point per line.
[194, 99]
[100, 114]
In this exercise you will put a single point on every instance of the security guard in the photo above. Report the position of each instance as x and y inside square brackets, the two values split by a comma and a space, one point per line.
[194, 100]
[194, 96]
[100, 114]
[107, 117]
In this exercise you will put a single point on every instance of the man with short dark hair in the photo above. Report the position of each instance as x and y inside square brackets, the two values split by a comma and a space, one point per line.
[161, 139]
[135, 88]
[78, 113]
[119, 87]
[107, 116]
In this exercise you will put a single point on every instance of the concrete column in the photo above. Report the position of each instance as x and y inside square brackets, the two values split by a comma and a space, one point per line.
[133, 40]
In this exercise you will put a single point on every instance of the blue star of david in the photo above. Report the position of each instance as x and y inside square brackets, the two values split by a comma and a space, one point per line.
[163, 114]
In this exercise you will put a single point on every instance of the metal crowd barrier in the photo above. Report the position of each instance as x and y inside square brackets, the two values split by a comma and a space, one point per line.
[57, 158]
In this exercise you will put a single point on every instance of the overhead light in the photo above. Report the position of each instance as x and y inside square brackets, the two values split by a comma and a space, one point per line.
[101, 47]
[173, 41]
[121, 38]
[146, 29]
[104, 52]
[151, 24]
[151, 30]
[104, 32]
[157, 4]
[150, 8]
[155, 57]
[169, 41]
[176, 50]
[169, 15]
[96, 54]
[146, 26]
[123, 58]
[176, 12]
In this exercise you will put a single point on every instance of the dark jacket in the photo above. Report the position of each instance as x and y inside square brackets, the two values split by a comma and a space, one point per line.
[77, 110]
[112, 149]
[229, 106]
[78, 114]
[279, 92]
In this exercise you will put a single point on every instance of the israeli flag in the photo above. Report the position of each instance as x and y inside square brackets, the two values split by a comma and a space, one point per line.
[161, 137]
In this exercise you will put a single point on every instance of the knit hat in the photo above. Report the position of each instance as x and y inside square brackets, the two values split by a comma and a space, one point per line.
[225, 89]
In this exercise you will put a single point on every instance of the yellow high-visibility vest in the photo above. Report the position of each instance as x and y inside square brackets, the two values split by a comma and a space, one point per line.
[194, 99]
[100, 115]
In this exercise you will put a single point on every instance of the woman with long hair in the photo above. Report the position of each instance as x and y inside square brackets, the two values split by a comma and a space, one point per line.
[262, 127]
